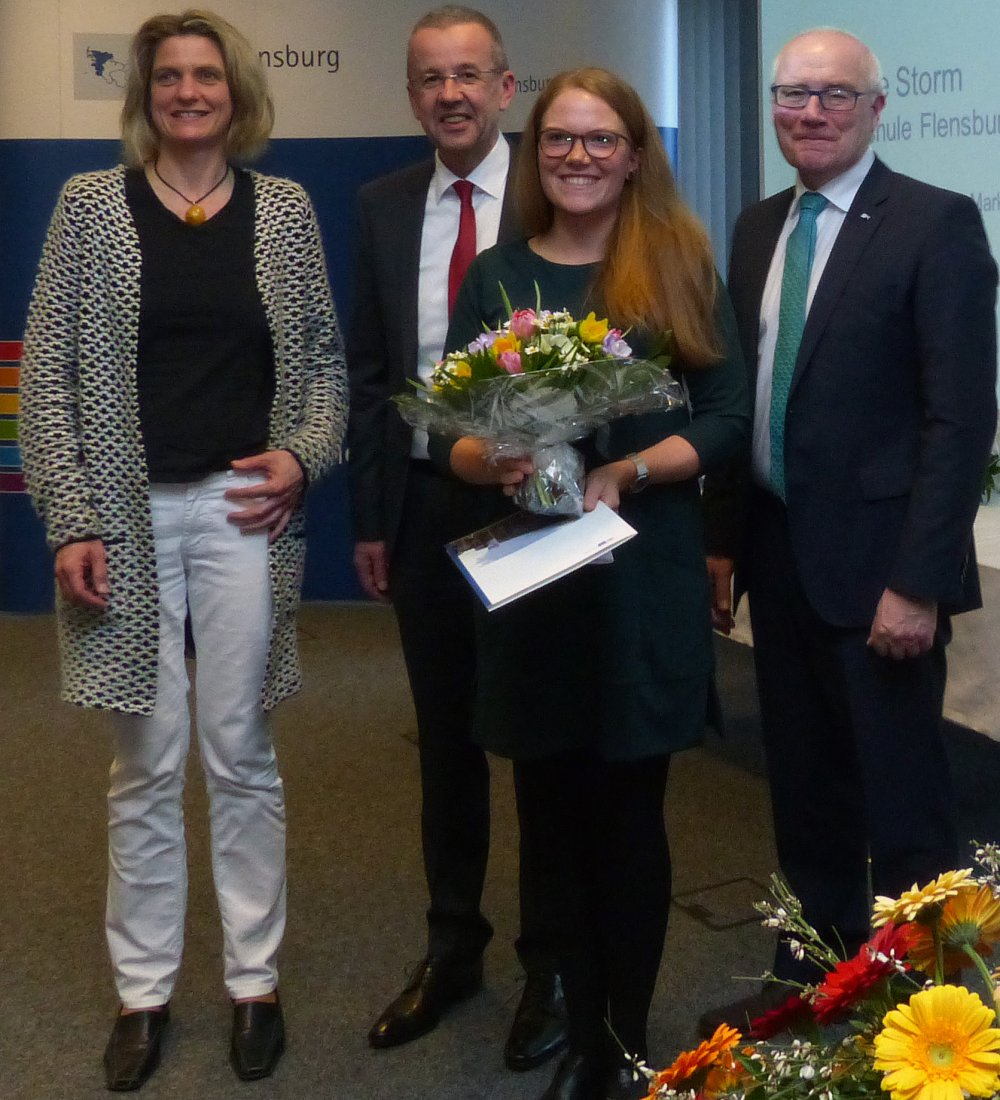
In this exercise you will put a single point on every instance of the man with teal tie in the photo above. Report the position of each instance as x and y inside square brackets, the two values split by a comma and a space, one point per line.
[865, 301]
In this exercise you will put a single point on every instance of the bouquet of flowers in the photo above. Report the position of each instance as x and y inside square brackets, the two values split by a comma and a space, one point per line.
[888, 1020]
[531, 387]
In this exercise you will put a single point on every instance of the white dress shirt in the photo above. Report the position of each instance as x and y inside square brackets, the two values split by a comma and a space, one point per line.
[441, 217]
[839, 193]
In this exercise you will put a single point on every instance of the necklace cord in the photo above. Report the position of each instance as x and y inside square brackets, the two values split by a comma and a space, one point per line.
[191, 202]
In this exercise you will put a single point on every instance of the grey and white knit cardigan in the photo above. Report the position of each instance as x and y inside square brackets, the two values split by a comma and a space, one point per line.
[80, 435]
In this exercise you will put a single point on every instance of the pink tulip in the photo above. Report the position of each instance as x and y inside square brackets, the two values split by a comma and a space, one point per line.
[511, 362]
[522, 324]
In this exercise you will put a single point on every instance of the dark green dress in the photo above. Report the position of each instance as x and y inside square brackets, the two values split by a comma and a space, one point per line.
[613, 658]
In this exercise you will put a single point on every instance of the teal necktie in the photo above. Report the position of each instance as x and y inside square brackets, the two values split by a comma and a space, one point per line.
[799, 252]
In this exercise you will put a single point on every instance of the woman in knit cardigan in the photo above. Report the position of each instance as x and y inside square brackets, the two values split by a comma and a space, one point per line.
[183, 380]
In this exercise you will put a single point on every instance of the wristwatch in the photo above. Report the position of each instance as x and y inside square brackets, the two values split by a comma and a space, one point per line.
[641, 473]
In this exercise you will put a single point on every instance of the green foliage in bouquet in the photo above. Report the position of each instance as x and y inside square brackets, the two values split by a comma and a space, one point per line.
[894, 1019]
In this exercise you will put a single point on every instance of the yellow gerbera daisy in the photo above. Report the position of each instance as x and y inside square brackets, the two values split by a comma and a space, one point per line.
[938, 1046]
[911, 902]
[970, 917]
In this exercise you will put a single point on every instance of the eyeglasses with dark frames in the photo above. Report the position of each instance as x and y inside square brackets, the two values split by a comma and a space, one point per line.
[599, 144]
[833, 98]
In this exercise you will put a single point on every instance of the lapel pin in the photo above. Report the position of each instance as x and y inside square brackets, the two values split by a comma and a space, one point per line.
[867, 217]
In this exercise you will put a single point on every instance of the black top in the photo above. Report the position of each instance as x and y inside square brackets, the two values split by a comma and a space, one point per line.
[616, 658]
[205, 359]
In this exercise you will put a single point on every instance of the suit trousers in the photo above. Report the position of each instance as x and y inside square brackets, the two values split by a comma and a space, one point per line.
[205, 565]
[435, 610]
[854, 747]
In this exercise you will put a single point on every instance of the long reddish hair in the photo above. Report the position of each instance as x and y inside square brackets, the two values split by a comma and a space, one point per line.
[659, 273]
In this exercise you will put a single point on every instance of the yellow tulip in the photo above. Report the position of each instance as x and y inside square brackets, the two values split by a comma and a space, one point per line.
[593, 331]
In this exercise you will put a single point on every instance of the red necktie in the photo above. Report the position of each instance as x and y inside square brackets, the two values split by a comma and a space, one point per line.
[464, 251]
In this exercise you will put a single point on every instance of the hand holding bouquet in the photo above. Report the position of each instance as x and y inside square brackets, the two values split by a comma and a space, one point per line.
[540, 381]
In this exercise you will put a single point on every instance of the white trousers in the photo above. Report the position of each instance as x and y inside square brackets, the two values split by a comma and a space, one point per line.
[203, 564]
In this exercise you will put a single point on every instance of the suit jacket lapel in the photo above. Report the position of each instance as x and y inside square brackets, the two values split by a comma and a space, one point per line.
[408, 218]
[756, 264]
[860, 224]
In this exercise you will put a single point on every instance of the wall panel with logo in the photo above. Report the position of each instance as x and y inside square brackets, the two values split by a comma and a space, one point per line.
[337, 74]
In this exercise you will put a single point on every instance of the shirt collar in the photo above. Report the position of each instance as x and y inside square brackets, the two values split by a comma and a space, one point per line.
[840, 191]
[489, 175]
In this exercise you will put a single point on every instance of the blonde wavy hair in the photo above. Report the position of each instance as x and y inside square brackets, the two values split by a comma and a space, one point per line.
[253, 108]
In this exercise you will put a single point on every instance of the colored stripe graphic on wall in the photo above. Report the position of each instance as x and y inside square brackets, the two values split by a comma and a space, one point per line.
[11, 477]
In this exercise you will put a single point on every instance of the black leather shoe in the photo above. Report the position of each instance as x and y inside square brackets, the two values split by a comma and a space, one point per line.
[133, 1051]
[540, 1028]
[258, 1038]
[740, 1013]
[439, 982]
[579, 1076]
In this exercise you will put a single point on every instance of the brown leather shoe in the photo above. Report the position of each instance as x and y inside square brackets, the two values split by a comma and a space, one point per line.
[439, 982]
[258, 1038]
[540, 1028]
[133, 1051]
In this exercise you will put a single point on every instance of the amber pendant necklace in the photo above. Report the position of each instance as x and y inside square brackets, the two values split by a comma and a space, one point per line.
[196, 212]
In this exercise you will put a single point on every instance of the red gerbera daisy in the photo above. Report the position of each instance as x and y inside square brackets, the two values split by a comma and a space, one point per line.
[791, 1012]
[850, 981]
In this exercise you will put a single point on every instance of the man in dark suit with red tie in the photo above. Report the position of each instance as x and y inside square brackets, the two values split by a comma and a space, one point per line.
[419, 229]
[865, 301]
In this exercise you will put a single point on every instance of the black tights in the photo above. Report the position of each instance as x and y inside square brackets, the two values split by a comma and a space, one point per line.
[597, 832]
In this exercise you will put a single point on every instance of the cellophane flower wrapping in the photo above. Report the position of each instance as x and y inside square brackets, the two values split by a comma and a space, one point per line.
[535, 385]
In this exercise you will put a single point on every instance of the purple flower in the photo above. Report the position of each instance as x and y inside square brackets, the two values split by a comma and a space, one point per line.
[511, 362]
[615, 346]
[483, 341]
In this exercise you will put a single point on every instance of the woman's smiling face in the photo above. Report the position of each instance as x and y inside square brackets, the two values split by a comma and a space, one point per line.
[189, 100]
[579, 184]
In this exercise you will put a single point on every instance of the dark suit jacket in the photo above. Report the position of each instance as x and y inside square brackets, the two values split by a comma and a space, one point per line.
[892, 408]
[382, 344]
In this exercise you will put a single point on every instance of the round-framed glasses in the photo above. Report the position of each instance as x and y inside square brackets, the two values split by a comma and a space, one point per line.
[599, 144]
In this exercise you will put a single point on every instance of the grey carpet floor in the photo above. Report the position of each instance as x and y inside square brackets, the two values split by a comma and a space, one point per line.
[356, 893]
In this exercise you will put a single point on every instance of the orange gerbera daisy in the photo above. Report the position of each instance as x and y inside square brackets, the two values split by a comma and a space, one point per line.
[850, 981]
[705, 1055]
[971, 917]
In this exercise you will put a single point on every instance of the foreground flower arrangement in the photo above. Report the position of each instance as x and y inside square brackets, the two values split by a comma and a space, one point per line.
[887, 1021]
[540, 381]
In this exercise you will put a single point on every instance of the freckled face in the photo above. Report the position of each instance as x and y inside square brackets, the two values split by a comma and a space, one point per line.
[823, 144]
[189, 100]
[578, 184]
